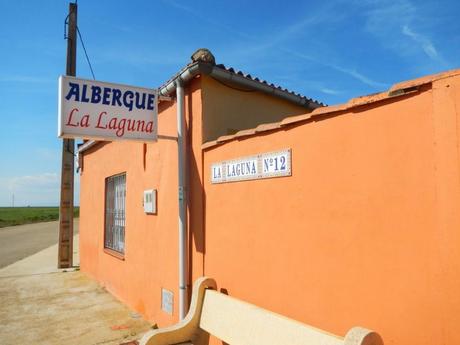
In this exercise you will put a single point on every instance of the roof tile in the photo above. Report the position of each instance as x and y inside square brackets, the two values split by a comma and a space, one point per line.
[423, 80]
[267, 127]
[352, 103]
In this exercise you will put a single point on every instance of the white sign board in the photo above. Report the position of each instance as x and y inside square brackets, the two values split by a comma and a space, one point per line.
[97, 110]
[265, 165]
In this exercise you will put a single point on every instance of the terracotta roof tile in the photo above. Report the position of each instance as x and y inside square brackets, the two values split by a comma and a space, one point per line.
[225, 138]
[410, 85]
[209, 144]
[423, 80]
[297, 118]
[267, 127]
[248, 76]
[362, 100]
[244, 133]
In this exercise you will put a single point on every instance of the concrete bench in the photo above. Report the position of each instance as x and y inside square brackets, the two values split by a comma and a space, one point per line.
[239, 323]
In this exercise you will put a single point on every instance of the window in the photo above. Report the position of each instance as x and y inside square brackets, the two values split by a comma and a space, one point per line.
[115, 201]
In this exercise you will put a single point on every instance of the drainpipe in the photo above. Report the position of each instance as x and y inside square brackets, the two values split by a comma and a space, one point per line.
[182, 198]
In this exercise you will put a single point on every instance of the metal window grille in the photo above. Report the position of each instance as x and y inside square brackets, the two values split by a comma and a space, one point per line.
[115, 202]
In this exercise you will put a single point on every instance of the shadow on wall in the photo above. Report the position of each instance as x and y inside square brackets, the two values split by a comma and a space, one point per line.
[196, 195]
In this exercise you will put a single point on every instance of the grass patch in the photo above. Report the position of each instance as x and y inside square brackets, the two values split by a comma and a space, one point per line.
[25, 215]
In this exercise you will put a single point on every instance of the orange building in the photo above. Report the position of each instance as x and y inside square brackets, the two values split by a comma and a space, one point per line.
[362, 229]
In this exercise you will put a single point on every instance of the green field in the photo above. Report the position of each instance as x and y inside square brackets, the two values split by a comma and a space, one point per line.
[24, 215]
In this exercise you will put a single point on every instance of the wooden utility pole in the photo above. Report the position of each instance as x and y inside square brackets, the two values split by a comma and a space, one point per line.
[65, 259]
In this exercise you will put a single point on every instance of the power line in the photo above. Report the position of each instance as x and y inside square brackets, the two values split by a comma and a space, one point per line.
[86, 54]
[66, 22]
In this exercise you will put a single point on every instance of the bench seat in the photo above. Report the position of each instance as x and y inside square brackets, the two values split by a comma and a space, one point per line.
[239, 323]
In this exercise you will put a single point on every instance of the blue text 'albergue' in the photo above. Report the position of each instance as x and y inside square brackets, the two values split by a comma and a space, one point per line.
[111, 96]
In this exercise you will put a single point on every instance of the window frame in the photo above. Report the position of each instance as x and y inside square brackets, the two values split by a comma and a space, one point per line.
[107, 249]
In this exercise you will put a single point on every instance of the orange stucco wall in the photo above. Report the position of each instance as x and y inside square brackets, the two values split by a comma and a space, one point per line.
[365, 232]
[227, 110]
[151, 259]
[151, 241]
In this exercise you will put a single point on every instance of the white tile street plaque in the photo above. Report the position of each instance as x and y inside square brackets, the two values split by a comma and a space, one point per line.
[264, 165]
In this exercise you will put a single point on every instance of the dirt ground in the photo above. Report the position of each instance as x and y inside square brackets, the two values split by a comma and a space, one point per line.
[42, 305]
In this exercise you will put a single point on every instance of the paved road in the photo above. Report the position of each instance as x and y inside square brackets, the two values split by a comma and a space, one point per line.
[18, 242]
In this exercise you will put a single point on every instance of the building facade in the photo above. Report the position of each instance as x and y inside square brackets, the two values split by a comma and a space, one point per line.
[364, 230]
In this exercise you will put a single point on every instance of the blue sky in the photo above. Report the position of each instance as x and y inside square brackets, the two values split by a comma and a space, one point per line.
[327, 50]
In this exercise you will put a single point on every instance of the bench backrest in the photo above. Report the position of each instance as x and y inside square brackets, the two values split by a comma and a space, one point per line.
[240, 323]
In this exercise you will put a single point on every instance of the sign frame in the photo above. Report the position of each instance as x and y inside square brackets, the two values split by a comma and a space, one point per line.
[130, 115]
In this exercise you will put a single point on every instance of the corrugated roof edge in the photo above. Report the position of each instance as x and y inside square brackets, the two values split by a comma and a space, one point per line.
[231, 75]
[87, 145]
[397, 90]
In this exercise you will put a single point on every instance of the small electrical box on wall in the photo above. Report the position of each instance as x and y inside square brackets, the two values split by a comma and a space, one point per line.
[150, 201]
[167, 301]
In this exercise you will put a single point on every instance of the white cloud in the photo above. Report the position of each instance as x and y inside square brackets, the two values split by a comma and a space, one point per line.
[348, 71]
[329, 91]
[425, 43]
[34, 190]
[320, 17]
[383, 18]
[46, 180]
[327, 15]
[359, 76]
[397, 25]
